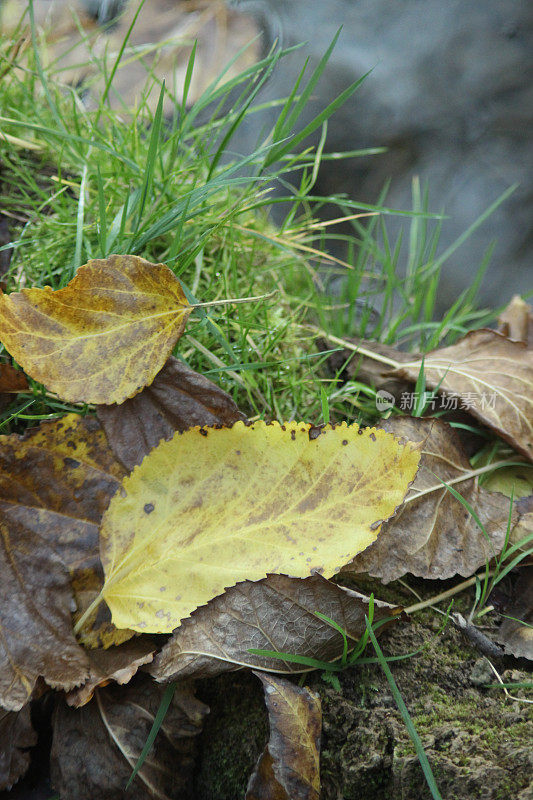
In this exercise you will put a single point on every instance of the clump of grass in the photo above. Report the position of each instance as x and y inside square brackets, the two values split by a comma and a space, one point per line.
[77, 184]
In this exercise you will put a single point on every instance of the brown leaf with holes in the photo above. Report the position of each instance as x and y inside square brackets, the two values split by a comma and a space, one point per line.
[434, 536]
[118, 664]
[104, 336]
[16, 736]
[516, 321]
[289, 767]
[96, 747]
[55, 483]
[276, 613]
[178, 399]
[516, 630]
[493, 377]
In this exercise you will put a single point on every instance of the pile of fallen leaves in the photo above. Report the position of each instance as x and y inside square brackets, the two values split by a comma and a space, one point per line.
[167, 538]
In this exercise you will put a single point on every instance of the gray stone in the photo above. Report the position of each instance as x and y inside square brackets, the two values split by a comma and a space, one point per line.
[450, 94]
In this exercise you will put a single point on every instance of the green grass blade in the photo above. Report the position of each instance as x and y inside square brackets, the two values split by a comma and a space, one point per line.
[420, 752]
[158, 721]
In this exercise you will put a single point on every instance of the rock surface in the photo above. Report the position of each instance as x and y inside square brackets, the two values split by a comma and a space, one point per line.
[450, 94]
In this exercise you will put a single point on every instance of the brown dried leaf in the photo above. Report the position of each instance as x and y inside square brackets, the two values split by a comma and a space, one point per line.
[516, 634]
[55, 483]
[118, 664]
[16, 735]
[96, 747]
[12, 380]
[104, 336]
[289, 767]
[435, 536]
[493, 375]
[178, 399]
[36, 636]
[516, 321]
[276, 613]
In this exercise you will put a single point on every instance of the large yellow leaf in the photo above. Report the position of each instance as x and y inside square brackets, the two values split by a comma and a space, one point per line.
[212, 507]
[104, 336]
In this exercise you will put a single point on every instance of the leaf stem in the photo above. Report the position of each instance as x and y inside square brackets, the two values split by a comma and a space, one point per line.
[355, 347]
[86, 614]
[468, 475]
[443, 595]
[236, 300]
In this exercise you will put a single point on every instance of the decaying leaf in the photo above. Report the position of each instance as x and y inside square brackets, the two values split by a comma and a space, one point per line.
[96, 747]
[289, 767]
[516, 321]
[516, 630]
[36, 636]
[178, 399]
[493, 375]
[276, 613]
[434, 536]
[118, 664]
[215, 506]
[104, 336]
[16, 736]
[55, 483]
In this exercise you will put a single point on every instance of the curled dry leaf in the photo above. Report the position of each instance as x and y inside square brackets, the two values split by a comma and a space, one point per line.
[96, 747]
[516, 321]
[178, 399]
[516, 630]
[215, 506]
[493, 375]
[101, 338]
[16, 736]
[55, 483]
[276, 613]
[289, 767]
[118, 664]
[433, 535]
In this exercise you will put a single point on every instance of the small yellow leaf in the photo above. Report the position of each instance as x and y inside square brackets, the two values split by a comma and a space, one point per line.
[213, 507]
[104, 336]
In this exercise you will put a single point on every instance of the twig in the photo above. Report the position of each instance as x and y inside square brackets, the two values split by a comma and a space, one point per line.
[478, 639]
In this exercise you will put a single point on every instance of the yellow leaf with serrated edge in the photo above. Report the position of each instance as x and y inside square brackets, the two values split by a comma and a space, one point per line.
[104, 336]
[212, 507]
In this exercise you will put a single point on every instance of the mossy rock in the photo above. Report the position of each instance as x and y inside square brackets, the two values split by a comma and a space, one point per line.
[477, 742]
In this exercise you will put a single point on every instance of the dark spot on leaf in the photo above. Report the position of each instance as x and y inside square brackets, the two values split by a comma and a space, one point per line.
[314, 432]
[71, 444]
[71, 462]
[376, 524]
[345, 441]
[293, 435]
[372, 436]
[149, 507]
[237, 452]
[203, 432]
[360, 431]
[283, 427]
